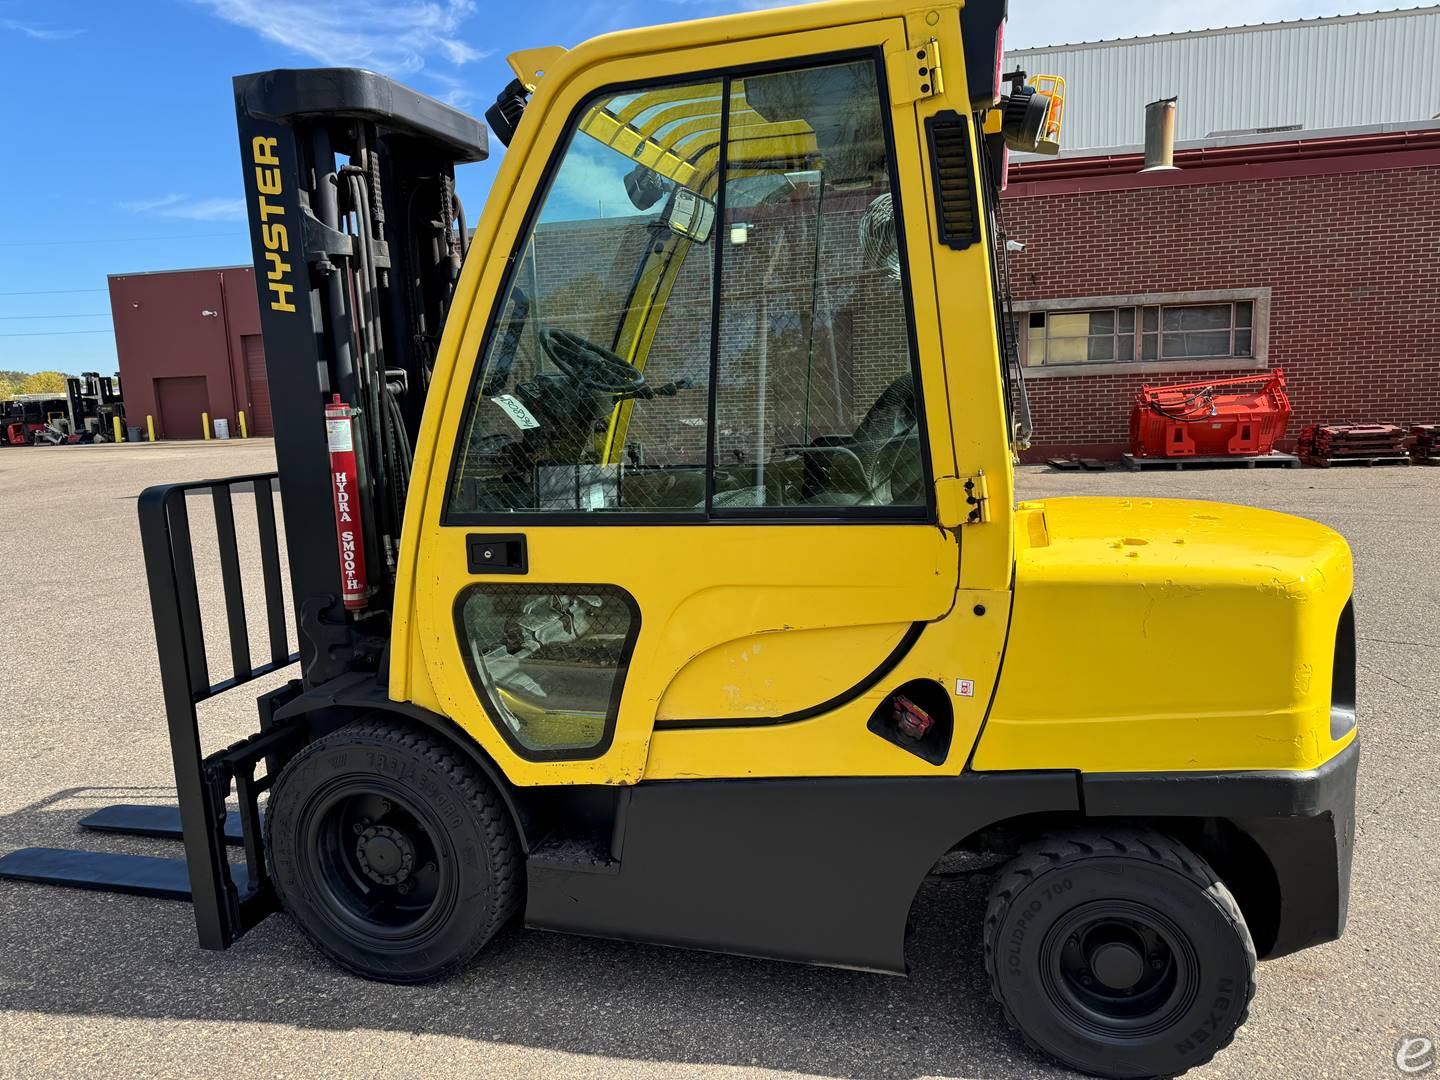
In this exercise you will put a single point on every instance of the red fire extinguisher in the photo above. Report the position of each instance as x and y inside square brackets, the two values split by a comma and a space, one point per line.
[345, 486]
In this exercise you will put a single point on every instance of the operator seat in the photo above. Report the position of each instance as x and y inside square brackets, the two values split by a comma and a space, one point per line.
[877, 464]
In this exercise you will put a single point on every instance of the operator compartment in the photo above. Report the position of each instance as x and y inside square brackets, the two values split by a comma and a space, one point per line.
[595, 394]
[1226, 625]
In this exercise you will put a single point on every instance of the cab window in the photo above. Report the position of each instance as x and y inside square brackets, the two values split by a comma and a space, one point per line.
[740, 230]
[815, 403]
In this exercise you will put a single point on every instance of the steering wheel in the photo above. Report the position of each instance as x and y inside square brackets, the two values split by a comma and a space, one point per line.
[590, 365]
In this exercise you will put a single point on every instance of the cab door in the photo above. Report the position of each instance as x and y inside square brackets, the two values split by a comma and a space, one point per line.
[681, 518]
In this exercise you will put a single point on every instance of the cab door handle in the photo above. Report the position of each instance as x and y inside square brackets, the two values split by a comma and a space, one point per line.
[496, 553]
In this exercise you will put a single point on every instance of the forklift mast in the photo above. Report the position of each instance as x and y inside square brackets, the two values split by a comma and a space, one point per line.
[358, 238]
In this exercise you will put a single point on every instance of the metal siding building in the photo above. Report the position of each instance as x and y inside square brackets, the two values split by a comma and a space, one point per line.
[1338, 72]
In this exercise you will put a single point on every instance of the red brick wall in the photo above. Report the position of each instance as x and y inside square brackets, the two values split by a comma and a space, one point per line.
[1349, 257]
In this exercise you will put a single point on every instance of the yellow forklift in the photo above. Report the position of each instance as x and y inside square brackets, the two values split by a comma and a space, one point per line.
[656, 571]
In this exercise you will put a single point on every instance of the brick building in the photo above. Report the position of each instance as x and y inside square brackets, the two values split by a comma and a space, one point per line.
[189, 344]
[1311, 253]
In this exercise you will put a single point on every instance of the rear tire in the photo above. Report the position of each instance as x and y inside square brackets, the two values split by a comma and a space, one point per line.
[1119, 952]
[392, 853]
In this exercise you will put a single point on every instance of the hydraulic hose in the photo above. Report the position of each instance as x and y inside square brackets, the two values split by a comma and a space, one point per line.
[1206, 395]
[384, 436]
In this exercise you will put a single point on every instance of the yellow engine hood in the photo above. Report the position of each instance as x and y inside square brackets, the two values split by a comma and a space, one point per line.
[1168, 635]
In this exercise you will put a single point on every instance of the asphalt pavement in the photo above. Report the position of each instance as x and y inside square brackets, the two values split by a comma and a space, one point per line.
[93, 984]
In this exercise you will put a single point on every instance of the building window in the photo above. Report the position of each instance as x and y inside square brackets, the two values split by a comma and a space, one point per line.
[1076, 337]
[1107, 335]
[1183, 332]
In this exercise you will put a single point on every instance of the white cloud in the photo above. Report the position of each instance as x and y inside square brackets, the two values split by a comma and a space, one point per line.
[455, 91]
[189, 209]
[38, 33]
[396, 38]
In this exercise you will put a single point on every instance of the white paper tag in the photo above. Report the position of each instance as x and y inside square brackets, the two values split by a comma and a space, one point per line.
[596, 497]
[517, 412]
[339, 436]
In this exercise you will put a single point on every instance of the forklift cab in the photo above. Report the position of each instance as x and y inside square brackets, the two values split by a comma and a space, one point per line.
[594, 396]
[698, 464]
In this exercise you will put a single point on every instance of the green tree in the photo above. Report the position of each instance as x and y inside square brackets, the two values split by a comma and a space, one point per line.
[42, 382]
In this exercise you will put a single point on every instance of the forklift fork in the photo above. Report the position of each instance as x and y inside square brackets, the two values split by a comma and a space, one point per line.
[228, 898]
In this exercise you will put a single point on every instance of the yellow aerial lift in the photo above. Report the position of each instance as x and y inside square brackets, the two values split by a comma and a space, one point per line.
[657, 571]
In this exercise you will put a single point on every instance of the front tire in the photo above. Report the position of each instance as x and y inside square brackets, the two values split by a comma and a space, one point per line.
[394, 855]
[1119, 952]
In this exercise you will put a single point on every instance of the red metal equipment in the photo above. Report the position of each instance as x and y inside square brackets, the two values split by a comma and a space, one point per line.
[1425, 450]
[1196, 420]
[344, 485]
[22, 433]
[1324, 444]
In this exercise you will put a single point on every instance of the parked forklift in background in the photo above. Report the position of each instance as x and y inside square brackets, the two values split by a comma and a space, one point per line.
[93, 402]
[87, 413]
[25, 416]
[657, 571]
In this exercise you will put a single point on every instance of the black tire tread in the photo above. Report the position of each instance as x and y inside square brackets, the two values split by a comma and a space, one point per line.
[505, 861]
[1133, 842]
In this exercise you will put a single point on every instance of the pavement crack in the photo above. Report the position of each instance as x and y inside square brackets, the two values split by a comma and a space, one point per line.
[1391, 678]
[1412, 644]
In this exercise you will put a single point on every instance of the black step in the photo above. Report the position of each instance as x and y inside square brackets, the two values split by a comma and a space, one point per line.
[159, 822]
[140, 875]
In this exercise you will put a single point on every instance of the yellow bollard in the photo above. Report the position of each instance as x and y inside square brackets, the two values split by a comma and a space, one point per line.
[205, 424]
[150, 426]
[119, 437]
[244, 432]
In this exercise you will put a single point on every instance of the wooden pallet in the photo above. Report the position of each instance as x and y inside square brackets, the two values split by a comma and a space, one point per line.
[1179, 464]
[1378, 459]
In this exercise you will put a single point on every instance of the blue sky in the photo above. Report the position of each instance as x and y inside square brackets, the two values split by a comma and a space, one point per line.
[120, 150]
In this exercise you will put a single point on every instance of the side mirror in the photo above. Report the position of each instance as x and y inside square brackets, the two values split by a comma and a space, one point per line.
[691, 216]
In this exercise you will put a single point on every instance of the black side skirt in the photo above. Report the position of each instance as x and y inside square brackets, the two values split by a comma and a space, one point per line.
[815, 871]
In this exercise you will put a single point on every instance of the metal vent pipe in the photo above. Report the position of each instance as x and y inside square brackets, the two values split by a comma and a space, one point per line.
[1160, 135]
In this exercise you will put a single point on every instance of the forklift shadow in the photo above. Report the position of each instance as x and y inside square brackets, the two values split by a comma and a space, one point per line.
[53, 819]
[75, 953]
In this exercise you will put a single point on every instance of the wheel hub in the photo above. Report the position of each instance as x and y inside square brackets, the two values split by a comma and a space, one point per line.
[386, 855]
[1114, 967]
[1117, 965]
